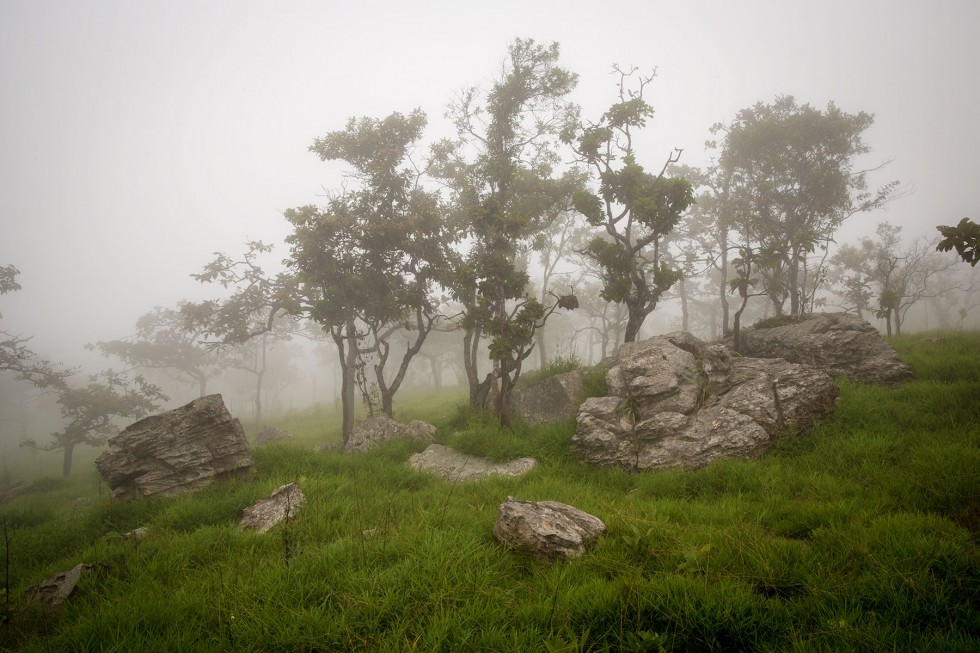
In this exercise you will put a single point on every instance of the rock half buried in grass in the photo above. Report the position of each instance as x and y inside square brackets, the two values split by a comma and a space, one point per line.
[56, 590]
[181, 450]
[455, 466]
[284, 502]
[546, 529]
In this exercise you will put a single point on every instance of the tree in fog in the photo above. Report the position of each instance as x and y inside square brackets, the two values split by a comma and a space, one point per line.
[368, 261]
[91, 411]
[890, 276]
[164, 341]
[16, 357]
[255, 316]
[792, 182]
[636, 209]
[504, 188]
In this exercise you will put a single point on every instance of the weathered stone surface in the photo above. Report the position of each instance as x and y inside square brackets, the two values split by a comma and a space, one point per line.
[137, 534]
[553, 399]
[455, 466]
[284, 503]
[56, 590]
[271, 434]
[15, 490]
[837, 343]
[373, 431]
[178, 451]
[685, 407]
[546, 529]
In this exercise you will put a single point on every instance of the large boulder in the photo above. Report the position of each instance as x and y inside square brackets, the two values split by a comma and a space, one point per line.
[178, 451]
[553, 399]
[546, 529]
[676, 402]
[838, 343]
[371, 432]
[454, 466]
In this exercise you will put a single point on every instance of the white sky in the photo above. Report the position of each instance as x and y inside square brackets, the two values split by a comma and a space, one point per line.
[137, 137]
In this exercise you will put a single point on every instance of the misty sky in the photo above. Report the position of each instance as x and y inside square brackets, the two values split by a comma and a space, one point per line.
[136, 138]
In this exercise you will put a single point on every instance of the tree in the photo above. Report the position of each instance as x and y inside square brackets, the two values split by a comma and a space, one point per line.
[898, 275]
[16, 357]
[793, 182]
[637, 209]
[91, 410]
[366, 263]
[258, 310]
[164, 341]
[965, 237]
[502, 178]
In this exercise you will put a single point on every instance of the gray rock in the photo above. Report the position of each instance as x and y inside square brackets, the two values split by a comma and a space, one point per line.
[838, 343]
[371, 432]
[553, 399]
[182, 450]
[455, 466]
[271, 434]
[686, 407]
[546, 529]
[137, 534]
[15, 490]
[284, 503]
[56, 590]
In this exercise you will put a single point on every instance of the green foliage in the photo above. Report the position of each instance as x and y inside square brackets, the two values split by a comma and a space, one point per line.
[861, 536]
[964, 237]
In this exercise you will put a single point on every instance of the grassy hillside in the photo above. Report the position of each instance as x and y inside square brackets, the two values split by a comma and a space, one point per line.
[861, 537]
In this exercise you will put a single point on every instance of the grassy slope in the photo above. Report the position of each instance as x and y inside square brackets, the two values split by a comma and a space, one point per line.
[860, 537]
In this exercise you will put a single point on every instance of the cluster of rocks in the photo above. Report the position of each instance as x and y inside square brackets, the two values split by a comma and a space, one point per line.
[673, 401]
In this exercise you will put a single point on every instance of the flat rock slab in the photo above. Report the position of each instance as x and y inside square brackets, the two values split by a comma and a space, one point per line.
[455, 466]
[182, 450]
[284, 503]
[547, 529]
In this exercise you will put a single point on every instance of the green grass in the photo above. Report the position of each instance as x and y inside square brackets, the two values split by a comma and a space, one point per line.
[862, 536]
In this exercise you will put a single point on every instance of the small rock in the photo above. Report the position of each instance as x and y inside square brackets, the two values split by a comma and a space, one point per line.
[271, 434]
[56, 590]
[137, 535]
[284, 502]
[546, 529]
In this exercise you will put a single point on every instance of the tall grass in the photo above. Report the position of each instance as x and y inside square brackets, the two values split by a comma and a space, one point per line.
[862, 536]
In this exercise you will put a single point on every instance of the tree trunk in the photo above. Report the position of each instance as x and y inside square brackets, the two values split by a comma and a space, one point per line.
[633, 324]
[348, 363]
[685, 317]
[66, 461]
[723, 286]
[471, 345]
[793, 272]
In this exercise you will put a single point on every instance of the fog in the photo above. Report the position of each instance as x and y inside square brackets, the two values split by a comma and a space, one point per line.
[136, 139]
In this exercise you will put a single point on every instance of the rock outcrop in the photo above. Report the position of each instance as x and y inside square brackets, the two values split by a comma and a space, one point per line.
[676, 402]
[454, 466]
[546, 529]
[182, 450]
[553, 399]
[284, 502]
[837, 343]
[371, 432]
